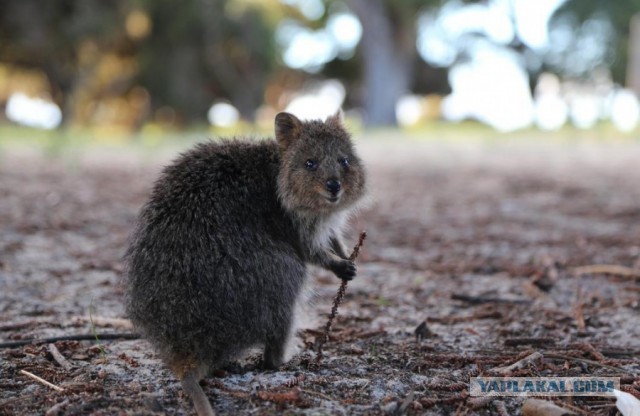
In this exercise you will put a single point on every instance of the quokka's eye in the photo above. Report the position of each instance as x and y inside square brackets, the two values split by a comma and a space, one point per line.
[344, 162]
[311, 164]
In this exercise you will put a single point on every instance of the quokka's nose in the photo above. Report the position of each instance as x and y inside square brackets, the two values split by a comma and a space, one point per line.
[333, 186]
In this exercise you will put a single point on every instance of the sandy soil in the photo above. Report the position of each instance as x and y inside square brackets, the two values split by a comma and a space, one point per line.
[482, 242]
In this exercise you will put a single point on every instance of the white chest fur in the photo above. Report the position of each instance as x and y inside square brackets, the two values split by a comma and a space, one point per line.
[330, 226]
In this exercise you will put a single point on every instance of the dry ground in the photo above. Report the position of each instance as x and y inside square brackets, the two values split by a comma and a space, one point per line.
[480, 240]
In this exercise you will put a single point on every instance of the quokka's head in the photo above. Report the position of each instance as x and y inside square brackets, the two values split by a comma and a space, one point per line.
[320, 172]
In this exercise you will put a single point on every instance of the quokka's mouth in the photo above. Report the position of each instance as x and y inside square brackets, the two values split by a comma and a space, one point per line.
[331, 198]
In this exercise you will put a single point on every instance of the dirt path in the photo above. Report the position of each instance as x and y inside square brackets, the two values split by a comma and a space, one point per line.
[480, 241]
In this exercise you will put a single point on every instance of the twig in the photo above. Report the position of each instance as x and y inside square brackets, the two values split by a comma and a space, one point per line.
[611, 269]
[578, 312]
[618, 353]
[568, 406]
[537, 342]
[477, 300]
[102, 321]
[476, 403]
[40, 380]
[501, 409]
[336, 302]
[631, 390]
[402, 409]
[292, 395]
[586, 361]
[519, 364]
[19, 325]
[542, 407]
[81, 337]
[586, 347]
[608, 353]
[55, 353]
[55, 409]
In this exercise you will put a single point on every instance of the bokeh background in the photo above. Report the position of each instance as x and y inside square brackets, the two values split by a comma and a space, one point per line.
[146, 67]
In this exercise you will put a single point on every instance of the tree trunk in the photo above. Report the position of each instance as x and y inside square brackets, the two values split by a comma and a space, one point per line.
[387, 60]
[633, 62]
[244, 92]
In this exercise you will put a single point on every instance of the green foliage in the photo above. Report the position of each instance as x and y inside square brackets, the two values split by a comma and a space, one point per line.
[196, 52]
[618, 12]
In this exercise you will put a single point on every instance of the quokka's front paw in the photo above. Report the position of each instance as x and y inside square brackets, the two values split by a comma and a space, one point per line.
[344, 269]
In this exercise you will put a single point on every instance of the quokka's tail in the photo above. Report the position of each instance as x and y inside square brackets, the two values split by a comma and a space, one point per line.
[200, 401]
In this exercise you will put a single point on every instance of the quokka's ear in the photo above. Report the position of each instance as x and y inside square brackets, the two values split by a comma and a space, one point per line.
[288, 129]
[336, 119]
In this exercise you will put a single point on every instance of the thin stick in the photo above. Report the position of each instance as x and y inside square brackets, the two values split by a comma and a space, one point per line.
[477, 403]
[477, 300]
[501, 409]
[336, 302]
[55, 410]
[102, 321]
[40, 380]
[535, 342]
[81, 337]
[519, 364]
[59, 357]
[578, 312]
[20, 325]
[612, 269]
[586, 361]
[565, 405]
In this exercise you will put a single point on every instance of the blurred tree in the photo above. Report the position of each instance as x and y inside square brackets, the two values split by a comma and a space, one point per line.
[633, 60]
[389, 56]
[61, 39]
[96, 55]
[584, 15]
[173, 60]
[388, 50]
[203, 50]
[386, 65]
